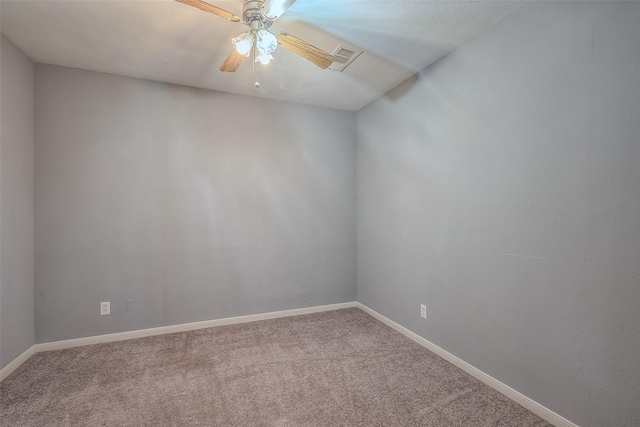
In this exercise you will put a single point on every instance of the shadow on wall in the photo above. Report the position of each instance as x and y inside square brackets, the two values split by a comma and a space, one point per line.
[403, 88]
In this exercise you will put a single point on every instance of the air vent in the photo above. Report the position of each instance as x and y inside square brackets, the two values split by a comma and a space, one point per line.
[343, 56]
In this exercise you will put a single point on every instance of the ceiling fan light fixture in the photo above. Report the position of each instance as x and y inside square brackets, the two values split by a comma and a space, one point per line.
[258, 15]
[243, 44]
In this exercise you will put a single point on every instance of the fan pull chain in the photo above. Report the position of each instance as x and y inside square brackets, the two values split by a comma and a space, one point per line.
[256, 69]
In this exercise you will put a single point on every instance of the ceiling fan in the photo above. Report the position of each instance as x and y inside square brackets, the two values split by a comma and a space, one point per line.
[258, 15]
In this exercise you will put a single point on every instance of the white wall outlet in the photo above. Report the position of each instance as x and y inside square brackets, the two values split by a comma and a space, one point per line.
[423, 311]
[105, 308]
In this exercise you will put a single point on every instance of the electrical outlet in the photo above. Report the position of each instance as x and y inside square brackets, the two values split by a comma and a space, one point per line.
[105, 308]
[423, 311]
[129, 305]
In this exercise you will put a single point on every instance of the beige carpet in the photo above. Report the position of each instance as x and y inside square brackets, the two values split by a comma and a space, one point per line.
[339, 368]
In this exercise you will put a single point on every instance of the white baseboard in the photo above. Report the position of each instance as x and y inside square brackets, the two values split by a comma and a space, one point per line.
[542, 411]
[15, 363]
[58, 345]
[512, 394]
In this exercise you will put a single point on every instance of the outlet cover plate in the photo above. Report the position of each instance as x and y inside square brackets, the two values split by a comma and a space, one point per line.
[105, 308]
[423, 311]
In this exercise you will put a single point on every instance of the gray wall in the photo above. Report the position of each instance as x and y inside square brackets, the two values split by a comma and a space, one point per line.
[501, 187]
[16, 202]
[195, 204]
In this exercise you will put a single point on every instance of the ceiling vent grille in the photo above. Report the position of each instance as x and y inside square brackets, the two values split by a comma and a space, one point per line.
[343, 56]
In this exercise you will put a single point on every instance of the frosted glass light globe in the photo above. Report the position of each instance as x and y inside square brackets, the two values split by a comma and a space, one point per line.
[264, 59]
[266, 42]
[243, 43]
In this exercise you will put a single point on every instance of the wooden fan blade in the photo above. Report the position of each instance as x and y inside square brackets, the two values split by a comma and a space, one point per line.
[273, 9]
[232, 62]
[211, 9]
[301, 48]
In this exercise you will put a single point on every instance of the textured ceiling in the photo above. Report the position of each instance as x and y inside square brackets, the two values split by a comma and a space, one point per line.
[170, 42]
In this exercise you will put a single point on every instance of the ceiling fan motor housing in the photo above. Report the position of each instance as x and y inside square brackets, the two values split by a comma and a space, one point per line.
[252, 15]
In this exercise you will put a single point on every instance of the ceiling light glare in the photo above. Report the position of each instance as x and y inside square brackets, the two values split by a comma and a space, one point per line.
[264, 59]
[243, 44]
[266, 42]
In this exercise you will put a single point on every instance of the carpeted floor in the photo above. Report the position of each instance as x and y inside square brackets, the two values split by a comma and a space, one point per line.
[338, 368]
